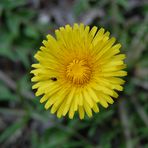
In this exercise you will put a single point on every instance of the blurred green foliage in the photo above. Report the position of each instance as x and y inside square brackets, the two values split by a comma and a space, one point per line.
[23, 120]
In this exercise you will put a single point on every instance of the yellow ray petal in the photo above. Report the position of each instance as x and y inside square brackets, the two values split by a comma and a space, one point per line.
[81, 112]
[103, 102]
[93, 95]
[44, 98]
[68, 101]
[80, 99]
[106, 48]
[88, 98]
[98, 36]
[95, 108]
[120, 73]
[71, 111]
[92, 33]
[107, 98]
[60, 98]
[87, 109]
[60, 109]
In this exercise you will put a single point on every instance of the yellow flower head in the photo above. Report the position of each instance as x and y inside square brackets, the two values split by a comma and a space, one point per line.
[77, 70]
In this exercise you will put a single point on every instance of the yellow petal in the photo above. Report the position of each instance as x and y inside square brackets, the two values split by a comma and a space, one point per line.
[95, 108]
[87, 98]
[93, 95]
[68, 101]
[81, 112]
[87, 109]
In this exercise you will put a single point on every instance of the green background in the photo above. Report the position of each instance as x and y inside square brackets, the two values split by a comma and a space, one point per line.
[23, 121]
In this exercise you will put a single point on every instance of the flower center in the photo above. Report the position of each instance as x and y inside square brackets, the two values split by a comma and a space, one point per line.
[78, 71]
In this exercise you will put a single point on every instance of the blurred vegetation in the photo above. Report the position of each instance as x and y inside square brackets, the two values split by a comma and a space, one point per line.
[23, 120]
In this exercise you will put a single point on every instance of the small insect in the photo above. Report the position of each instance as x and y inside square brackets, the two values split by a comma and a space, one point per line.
[53, 78]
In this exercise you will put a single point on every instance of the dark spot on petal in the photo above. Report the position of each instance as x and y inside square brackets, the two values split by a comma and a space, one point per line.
[53, 78]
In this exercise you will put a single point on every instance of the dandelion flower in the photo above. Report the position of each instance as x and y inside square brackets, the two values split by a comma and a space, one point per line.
[78, 70]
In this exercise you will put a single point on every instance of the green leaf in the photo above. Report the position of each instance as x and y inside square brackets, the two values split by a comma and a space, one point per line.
[129, 87]
[123, 3]
[143, 131]
[23, 82]
[143, 63]
[6, 39]
[13, 22]
[34, 139]
[26, 14]
[80, 6]
[22, 55]
[10, 131]
[6, 94]
[106, 138]
[103, 116]
[74, 144]
[9, 4]
[53, 138]
[31, 31]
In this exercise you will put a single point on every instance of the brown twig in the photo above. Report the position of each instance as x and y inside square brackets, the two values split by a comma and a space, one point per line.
[90, 15]
[137, 47]
[12, 85]
[142, 84]
[125, 123]
[44, 121]
[140, 110]
[141, 72]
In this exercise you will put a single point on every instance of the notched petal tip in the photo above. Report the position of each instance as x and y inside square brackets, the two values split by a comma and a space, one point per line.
[43, 99]
[46, 108]
[107, 34]
[70, 117]
[61, 28]
[31, 72]
[118, 45]
[68, 27]
[35, 86]
[75, 25]
[59, 114]
[95, 108]
[47, 105]
[115, 95]
[101, 29]
[38, 93]
[82, 25]
[33, 79]
[105, 105]
[35, 65]
[124, 73]
[111, 102]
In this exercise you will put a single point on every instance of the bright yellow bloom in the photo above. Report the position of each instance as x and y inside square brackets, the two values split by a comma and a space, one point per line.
[78, 70]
